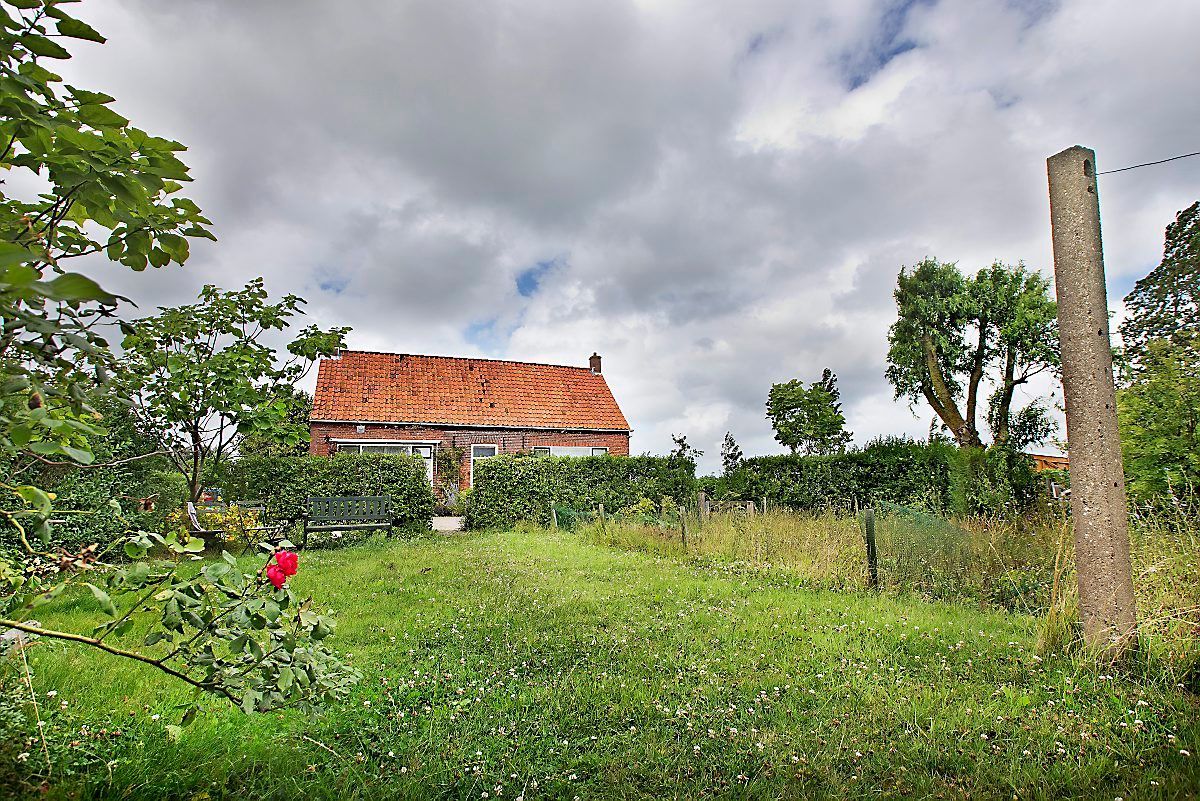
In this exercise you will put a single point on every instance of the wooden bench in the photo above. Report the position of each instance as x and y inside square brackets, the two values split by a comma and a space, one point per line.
[348, 513]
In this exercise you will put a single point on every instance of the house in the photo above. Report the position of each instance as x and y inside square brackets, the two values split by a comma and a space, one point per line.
[406, 403]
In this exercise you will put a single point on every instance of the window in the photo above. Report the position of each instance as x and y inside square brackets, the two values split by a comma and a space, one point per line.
[569, 450]
[480, 452]
[423, 450]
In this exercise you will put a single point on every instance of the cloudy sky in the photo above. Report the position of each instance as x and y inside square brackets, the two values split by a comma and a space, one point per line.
[714, 196]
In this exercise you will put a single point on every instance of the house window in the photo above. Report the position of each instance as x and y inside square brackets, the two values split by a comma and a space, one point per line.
[569, 450]
[423, 450]
[480, 452]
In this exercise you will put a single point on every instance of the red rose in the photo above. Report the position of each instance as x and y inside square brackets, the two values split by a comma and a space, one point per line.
[288, 561]
[276, 576]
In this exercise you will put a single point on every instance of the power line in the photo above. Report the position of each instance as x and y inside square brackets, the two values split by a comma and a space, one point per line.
[1151, 163]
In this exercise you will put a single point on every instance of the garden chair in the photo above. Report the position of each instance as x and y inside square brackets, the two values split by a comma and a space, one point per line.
[250, 536]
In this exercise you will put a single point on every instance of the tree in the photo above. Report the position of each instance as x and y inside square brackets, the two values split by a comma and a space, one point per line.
[291, 437]
[203, 378]
[1159, 414]
[683, 449]
[94, 184]
[954, 333]
[731, 454]
[1159, 407]
[1166, 303]
[809, 419]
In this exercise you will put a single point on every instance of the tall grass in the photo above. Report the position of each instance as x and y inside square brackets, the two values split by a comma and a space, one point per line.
[1022, 565]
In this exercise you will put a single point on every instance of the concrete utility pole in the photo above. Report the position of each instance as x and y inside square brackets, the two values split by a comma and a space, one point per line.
[1098, 505]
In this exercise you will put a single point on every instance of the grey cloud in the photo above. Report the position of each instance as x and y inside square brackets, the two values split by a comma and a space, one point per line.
[728, 189]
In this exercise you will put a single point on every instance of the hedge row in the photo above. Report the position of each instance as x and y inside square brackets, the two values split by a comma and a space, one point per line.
[893, 471]
[284, 483]
[508, 489]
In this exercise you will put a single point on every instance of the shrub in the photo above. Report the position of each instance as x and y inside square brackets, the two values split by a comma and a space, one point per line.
[512, 488]
[144, 497]
[893, 470]
[283, 484]
[992, 481]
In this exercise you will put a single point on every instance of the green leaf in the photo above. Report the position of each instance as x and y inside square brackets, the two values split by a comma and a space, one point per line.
[69, 26]
[36, 498]
[41, 46]
[75, 287]
[284, 682]
[102, 598]
[25, 4]
[11, 254]
[81, 455]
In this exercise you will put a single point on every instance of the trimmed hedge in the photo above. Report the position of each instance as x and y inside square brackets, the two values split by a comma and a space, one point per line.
[284, 483]
[896, 471]
[509, 489]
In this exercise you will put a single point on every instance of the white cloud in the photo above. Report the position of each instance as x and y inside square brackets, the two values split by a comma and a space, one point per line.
[727, 190]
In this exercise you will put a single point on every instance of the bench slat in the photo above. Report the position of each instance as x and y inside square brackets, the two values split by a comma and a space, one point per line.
[348, 513]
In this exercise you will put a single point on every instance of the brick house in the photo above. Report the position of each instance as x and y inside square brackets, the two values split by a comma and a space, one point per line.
[405, 403]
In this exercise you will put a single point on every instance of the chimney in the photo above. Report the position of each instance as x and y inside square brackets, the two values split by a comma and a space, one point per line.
[594, 363]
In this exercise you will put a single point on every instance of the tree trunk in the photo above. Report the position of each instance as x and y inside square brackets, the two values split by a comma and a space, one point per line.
[976, 374]
[1004, 407]
[937, 392]
[194, 487]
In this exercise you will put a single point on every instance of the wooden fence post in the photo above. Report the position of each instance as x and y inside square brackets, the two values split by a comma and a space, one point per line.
[702, 503]
[553, 516]
[872, 554]
[750, 508]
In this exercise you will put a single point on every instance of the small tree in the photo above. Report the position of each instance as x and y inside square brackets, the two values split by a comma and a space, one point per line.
[731, 454]
[203, 378]
[808, 418]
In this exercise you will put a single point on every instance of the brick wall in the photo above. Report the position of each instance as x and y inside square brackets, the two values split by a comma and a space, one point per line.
[507, 440]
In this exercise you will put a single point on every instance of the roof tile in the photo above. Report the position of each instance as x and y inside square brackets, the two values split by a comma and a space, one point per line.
[364, 386]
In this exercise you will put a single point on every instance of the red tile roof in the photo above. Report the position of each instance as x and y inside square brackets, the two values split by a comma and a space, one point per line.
[362, 386]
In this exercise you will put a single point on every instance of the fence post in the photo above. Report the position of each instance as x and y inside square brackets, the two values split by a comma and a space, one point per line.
[702, 503]
[872, 555]
[750, 508]
[683, 530]
[553, 516]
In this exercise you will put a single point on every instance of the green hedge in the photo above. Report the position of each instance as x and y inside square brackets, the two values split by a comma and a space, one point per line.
[508, 489]
[894, 470]
[284, 483]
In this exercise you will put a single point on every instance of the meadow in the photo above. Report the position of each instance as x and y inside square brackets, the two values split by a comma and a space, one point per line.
[535, 663]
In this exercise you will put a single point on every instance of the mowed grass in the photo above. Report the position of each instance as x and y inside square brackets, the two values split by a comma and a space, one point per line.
[533, 663]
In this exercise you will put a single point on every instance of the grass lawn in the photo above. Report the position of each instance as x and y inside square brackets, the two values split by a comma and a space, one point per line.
[530, 663]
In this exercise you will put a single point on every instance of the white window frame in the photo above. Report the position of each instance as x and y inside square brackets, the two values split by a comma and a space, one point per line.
[541, 450]
[602, 448]
[356, 445]
[475, 445]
